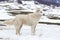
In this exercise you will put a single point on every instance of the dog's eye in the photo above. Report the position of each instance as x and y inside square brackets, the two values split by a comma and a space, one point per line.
[40, 11]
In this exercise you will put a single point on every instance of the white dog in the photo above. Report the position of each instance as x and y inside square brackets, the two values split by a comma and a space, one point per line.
[29, 19]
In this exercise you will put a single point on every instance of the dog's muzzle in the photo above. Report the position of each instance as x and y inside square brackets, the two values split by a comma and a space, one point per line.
[43, 14]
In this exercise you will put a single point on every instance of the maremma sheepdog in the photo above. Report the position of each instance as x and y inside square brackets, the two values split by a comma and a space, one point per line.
[29, 19]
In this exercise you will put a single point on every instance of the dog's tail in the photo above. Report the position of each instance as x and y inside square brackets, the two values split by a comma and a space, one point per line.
[7, 22]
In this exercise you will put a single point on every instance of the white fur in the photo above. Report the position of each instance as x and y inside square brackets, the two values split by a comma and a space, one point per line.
[29, 19]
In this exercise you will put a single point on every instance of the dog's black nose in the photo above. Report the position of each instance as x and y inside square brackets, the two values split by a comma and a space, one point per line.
[41, 11]
[43, 14]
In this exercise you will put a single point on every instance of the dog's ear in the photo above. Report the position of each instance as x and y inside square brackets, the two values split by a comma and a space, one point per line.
[38, 9]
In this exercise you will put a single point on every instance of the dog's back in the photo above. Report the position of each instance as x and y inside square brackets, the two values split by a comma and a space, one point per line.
[26, 19]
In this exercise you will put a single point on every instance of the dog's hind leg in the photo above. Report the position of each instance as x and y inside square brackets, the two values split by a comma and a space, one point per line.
[18, 26]
[18, 29]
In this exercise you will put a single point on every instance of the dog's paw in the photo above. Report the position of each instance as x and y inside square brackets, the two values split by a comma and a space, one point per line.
[41, 35]
[32, 33]
[18, 33]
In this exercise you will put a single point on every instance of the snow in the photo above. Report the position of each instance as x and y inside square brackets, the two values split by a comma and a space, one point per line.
[46, 19]
[43, 31]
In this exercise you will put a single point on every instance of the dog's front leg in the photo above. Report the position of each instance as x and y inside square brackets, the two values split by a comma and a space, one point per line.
[33, 27]
[17, 30]
[20, 28]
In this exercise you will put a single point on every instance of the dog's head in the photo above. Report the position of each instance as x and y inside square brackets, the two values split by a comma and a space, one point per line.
[39, 10]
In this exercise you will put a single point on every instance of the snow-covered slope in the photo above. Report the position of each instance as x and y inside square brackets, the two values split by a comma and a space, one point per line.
[43, 32]
[4, 15]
